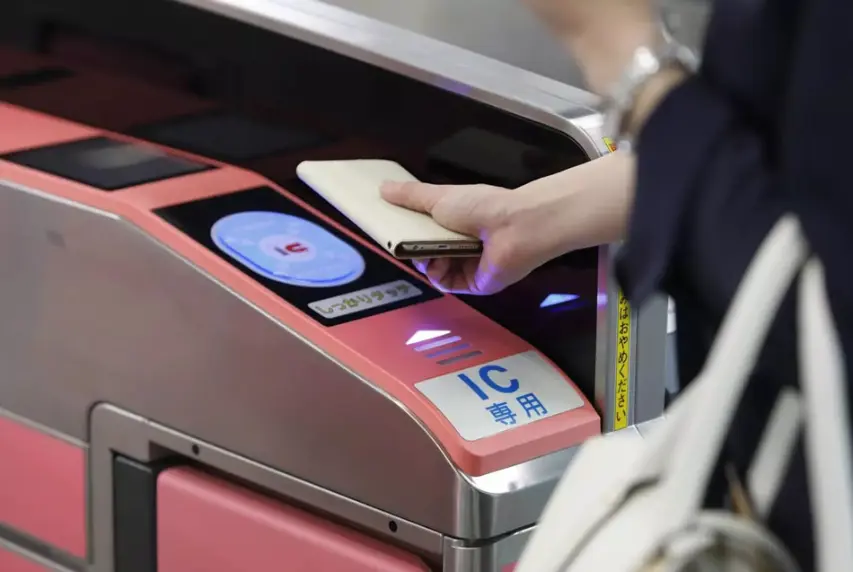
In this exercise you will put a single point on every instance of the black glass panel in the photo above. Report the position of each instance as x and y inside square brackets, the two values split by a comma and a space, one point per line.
[554, 308]
[474, 155]
[230, 137]
[33, 77]
[106, 164]
[293, 253]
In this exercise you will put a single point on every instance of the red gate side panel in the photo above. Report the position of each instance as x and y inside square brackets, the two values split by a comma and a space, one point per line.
[43, 487]
[206, 524]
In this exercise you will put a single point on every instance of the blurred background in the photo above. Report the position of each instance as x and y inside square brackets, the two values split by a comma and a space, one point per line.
[506, 31]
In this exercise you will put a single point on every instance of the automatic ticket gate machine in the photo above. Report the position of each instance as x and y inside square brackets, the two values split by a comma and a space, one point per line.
[204, 368]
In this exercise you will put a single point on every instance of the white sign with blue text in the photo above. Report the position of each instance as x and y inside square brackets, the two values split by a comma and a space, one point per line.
[498, 396]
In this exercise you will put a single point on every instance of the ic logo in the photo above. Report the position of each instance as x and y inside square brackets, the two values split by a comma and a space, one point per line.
[292, 248]
[288, 248]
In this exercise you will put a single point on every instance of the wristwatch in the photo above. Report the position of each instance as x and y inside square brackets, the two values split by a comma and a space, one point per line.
[645, 63]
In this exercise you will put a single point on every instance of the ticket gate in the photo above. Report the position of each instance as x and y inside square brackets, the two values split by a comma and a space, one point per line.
[206, 368]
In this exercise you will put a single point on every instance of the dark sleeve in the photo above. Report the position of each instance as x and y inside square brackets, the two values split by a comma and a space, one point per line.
[706, 197]
[720, 160]
[727, 153]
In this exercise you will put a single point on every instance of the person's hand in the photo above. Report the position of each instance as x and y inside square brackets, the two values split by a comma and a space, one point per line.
[481, 211]
[524, 228]
[601, 34]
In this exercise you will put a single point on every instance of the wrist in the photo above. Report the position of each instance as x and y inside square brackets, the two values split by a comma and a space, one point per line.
[581, 207]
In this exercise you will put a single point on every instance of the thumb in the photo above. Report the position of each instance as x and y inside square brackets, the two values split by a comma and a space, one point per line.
[421, 197]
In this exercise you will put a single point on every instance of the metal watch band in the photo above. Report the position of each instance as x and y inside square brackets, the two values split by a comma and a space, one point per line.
[645, 63]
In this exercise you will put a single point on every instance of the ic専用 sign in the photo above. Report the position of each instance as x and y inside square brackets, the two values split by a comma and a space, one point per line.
[501, 395]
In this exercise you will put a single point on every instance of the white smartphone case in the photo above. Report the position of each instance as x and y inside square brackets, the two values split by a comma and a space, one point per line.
[353, 186]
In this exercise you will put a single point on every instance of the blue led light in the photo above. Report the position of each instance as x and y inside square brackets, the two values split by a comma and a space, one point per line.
[287, 249]
[557, 299]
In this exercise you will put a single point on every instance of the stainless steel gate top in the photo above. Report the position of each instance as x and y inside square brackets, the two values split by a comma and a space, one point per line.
[510, 33]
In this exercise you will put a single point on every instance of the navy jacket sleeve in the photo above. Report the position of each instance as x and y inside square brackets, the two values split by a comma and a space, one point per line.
[764, 129]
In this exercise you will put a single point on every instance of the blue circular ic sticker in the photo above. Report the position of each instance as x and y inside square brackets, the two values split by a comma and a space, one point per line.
[287, 249]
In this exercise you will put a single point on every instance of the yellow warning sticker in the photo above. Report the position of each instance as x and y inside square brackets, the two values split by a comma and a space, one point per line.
[622, 396]
[610, 144]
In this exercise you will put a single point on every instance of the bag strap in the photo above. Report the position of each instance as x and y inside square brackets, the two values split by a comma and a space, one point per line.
[732, 358]
[829, 451]
[719, 388]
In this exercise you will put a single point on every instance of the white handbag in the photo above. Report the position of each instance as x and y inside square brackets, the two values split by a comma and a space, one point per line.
[634, 504]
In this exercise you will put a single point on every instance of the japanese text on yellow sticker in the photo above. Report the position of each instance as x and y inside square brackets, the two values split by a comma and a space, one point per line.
[622, 396]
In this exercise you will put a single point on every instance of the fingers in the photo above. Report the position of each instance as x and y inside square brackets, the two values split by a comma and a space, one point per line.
[415, 196]
[436, 270]
[439, 272]
[450, 275]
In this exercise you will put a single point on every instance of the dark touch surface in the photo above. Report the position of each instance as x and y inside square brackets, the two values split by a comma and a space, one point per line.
[106, 164]
[196, 219]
